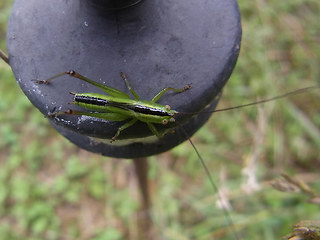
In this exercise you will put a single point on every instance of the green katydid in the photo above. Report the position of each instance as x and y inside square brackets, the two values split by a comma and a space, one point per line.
[117, 106]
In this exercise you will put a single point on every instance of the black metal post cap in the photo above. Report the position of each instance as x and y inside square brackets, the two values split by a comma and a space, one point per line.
[157, 43]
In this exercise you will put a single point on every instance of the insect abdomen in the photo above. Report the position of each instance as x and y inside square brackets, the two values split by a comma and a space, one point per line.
[90, 100]
[149, 110]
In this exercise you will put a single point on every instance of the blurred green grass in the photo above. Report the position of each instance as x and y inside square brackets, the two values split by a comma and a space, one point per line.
[50, 189]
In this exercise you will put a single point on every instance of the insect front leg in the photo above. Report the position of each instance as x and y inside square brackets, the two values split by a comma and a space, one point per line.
[155, 131]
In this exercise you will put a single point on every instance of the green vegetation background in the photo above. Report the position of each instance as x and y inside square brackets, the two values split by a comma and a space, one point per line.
[50, 189]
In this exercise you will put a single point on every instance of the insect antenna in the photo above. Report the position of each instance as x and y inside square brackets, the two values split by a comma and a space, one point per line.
[214, 187]
[285, 95]
[295, 92]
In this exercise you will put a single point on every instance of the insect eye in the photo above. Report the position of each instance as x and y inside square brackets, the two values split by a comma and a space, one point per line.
[167, 107]
[165, 121]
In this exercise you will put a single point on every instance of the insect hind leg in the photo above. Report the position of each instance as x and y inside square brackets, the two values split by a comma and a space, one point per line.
[110, 90]
[107, 116]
